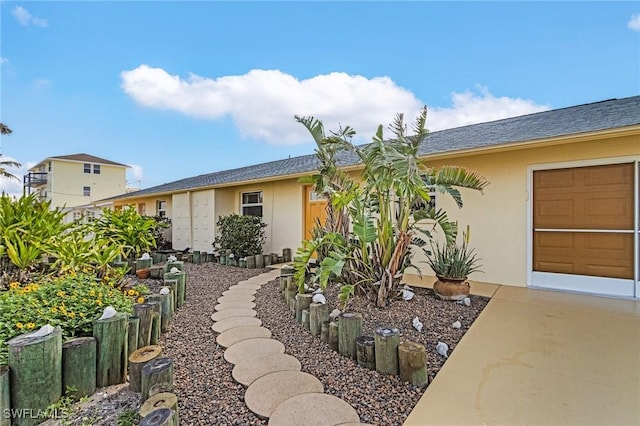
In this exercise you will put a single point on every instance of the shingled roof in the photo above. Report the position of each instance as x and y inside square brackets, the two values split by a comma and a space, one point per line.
[604, 115]
[86, 158]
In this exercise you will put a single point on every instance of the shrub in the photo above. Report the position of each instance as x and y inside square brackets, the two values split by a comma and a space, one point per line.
[71, 302]
[243, 235]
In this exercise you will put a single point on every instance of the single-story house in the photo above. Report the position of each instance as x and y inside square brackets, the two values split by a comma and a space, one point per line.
[562, 210]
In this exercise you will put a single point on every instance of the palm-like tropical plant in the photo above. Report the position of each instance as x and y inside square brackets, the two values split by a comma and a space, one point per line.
[376, 251]
[5, 130]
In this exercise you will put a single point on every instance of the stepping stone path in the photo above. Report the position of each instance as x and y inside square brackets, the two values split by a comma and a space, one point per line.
[277, 389]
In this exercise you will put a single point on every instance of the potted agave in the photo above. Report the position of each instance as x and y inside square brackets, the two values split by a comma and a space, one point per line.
[452, 264]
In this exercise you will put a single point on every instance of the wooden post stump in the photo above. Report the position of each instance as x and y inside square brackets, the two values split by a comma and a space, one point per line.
[266, 259]
[155, 329]
[333, 335]
[412, 359]
[181, 286]
[35, 373]
[259, 259]
[5, 401]
[286, 254]
[305, 319]
[176, 264]
[350, 327]
[365, 352]
[318, 313]
[166, 300]
[173, 286]
[157, 401]
[292, 306]
[158, 370]
[132, 337]
[144, 311]
[196, 256]
[79, 366]
[160, 417]
[156, 271]
[160, 388]
[304, 300]
[112, 339]
[251, 262]
[137, 361]
[324, 332]
[387, 340]
[274, 258]
[144, 263]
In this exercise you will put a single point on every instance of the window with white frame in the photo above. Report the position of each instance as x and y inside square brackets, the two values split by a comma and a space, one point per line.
[96, 169]
[161, 208]
[251, 203]
[87, 168]
[86, 191]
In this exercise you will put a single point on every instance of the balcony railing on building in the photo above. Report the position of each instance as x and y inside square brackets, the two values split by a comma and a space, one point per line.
[34, 180]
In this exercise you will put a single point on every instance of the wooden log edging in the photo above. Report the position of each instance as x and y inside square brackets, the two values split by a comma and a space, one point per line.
[366, 352]
[137, 360]
[158, 370]
[160, 417]
[387, 340]
[79, 358]
[349, 328]
[5, 403]
[412, 360]
[112, 340]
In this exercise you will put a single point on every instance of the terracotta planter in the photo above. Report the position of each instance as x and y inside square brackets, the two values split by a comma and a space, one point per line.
[143, 273]
[451, 288]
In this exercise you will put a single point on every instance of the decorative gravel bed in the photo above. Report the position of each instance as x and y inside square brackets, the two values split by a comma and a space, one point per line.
[208, 395]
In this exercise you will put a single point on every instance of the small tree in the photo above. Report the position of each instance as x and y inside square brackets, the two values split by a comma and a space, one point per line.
[5, 130]
[243, 235]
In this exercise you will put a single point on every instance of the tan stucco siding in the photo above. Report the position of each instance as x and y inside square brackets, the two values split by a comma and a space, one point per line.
[66, 180]
[498, 219]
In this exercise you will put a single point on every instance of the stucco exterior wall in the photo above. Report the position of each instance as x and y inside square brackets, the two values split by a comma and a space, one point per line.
[67, 179]
[498, 219]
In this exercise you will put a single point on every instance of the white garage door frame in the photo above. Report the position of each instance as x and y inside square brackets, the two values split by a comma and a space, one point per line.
[615, 287]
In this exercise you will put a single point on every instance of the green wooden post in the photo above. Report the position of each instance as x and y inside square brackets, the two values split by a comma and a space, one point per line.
[112, 341]
[79, 366]
[5, 400]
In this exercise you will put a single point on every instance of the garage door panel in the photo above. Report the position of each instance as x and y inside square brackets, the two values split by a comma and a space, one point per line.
[594, 254]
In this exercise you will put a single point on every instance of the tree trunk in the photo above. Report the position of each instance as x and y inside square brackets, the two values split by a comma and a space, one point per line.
[324, 332]
[303, 302]
[158, 370]
[413, 363]
[160, 417]
[333, 335]
[5, 401]
[319, 313]
[35, 378]
[132, 337]
[157, 401]
[350, 327]
[387, 339]
[79, 366]
[112, 339]
[366, 352]
[137, 361]
[144, 311]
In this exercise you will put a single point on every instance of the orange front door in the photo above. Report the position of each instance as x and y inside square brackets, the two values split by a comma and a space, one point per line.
[314, 207]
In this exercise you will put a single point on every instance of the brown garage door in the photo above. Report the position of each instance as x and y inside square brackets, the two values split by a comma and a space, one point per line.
[583, 221]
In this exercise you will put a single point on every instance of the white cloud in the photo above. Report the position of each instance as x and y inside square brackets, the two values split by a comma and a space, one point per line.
[634, 22]
[135, 172]
[262, 103]
[470, 108]
[25, 18]
[3, 60]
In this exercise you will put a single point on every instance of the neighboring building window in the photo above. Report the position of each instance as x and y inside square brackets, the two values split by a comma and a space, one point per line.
[142, 209]
[49, 165]
[251, 203]
[77, 215]
[161, 209]
[96, 169]
[86, 191]
[87, 168]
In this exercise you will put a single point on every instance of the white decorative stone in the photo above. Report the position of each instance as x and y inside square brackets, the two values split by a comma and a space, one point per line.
[109, 312]
[44, 330]
[231, 256]
[319, 298]
[164, 290]
[172, 258]
[417, 324]
[456, 324]
[145, 256]
[467, 301]
[174, 270]
[407, 294]
[443, 349]
[334, 314]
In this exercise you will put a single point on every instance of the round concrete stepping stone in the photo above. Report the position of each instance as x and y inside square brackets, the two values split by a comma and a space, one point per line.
[229, 323]
[237, 298]
[319, 409]
[250, 349]
[268, 392]
[354, 424]
[247, 286]
[234, 305]
[238, 334]
[230, 313]
[239, 292]
[249, 371]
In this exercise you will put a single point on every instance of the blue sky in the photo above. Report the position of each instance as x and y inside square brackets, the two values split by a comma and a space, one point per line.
[177, 89]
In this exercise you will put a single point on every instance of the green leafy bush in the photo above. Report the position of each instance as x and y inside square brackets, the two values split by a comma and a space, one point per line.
[71, 302]
[243, 235]
[127, 229]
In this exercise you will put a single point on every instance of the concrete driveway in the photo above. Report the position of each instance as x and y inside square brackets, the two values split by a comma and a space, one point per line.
[536, 357]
